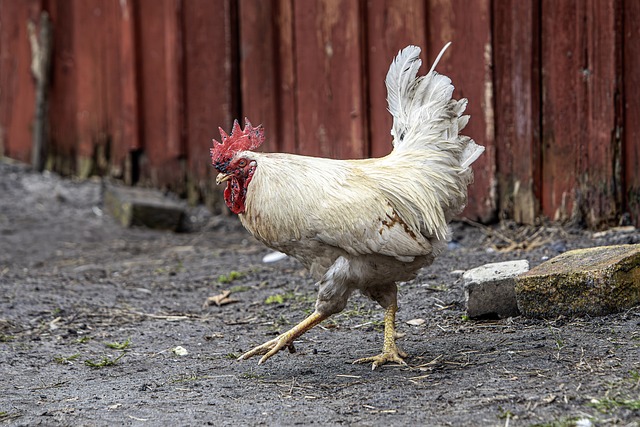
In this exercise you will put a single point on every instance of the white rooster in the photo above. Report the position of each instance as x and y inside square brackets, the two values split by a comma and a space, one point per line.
[358, 225]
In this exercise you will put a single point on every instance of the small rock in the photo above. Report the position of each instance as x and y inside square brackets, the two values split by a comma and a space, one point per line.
[594, 281]
[416, 322]
[149, 208]
[489, 289]
[180, 351]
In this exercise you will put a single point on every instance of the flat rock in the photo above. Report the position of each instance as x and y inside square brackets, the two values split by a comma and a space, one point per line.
[594, 281]
[143, 207]
[490, 289]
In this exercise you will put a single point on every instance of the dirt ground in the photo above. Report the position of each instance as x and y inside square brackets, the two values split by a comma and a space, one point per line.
[91, 314]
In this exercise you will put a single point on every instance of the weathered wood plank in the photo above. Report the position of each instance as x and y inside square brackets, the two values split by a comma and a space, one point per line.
[469, 64]
[288, 136]
[266, 44]
[17, 89]
[160, 164]
[631, 113]
[259, 90]
[517, 108]
[579, 59]
[601, 180]
[391, 26]
[562, 60]
[330, 99]
[127, 129]
[62, 114]
[174, 66]
[91, 77]
[210, 88]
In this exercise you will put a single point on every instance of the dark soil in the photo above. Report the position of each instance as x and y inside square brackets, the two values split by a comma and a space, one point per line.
[73, 282]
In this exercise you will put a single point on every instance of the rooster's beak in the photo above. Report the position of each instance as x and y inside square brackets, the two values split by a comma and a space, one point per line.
[222, 177]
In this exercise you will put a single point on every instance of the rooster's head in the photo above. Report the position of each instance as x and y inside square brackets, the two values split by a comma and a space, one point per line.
[230, 159]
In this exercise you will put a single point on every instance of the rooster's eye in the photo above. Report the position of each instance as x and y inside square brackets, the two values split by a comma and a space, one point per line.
[242, 163]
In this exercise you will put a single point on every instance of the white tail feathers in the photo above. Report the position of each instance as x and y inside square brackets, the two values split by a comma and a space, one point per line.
[425, 117]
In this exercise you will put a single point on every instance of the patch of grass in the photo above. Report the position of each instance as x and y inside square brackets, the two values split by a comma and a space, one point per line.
[66, 360]
[106, 361]
[239, 288]
[280, 298]
[119, 345]
[558, 339]
[189, 377]
[6, 338]
[505, 414]
[83, 340]
[251, 376]
[231, 356]
[607, 405]
[228, 278]
[465, 318]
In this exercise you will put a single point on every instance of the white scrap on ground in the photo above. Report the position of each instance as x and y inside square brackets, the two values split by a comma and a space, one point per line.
[273, 257]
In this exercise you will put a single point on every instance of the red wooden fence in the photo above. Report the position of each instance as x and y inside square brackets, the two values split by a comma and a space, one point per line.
[139, 87]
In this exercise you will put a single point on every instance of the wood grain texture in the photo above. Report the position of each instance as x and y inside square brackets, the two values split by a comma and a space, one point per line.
[211, 97]
[329, 78]
[17, 87]
[469, 64]
[63, 107]
[580, 85]
[391, 26]
[517, 108]
[631, 112]
[139, 87]
[127, 139]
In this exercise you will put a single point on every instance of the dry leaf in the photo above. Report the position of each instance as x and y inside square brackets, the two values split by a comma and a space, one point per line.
[220, 299]
[416, 322]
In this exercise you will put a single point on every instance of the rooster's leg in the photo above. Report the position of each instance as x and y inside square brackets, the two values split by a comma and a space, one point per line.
[270, 348]
[390, 350]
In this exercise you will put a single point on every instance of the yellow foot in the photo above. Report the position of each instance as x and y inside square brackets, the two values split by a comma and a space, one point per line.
[390, 356]
[270, 348]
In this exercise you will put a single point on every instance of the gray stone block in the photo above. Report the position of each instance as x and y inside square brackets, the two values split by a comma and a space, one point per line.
[143, 207]
[489, 289]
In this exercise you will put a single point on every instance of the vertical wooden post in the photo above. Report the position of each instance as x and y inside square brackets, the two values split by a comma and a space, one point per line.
[580, 83]
[517, 114]
[330, 106]
[129, 134]
[469, 63]
[631, 112]
[391, 26]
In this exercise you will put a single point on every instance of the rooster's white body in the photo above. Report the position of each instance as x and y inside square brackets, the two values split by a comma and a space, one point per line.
[367, 224]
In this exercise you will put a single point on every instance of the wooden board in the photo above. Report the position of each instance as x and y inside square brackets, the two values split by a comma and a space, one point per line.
[391, 26]
[329, 78]
[259, 90]
[579, 60]
[17, 88]
[469, 64]
[63, 108]
[127, 127]
[210, 87]
[631, 112]
[159, 35]
[517, 108]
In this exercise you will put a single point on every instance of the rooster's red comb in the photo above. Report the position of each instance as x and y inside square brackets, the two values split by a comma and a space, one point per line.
[248, 138]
